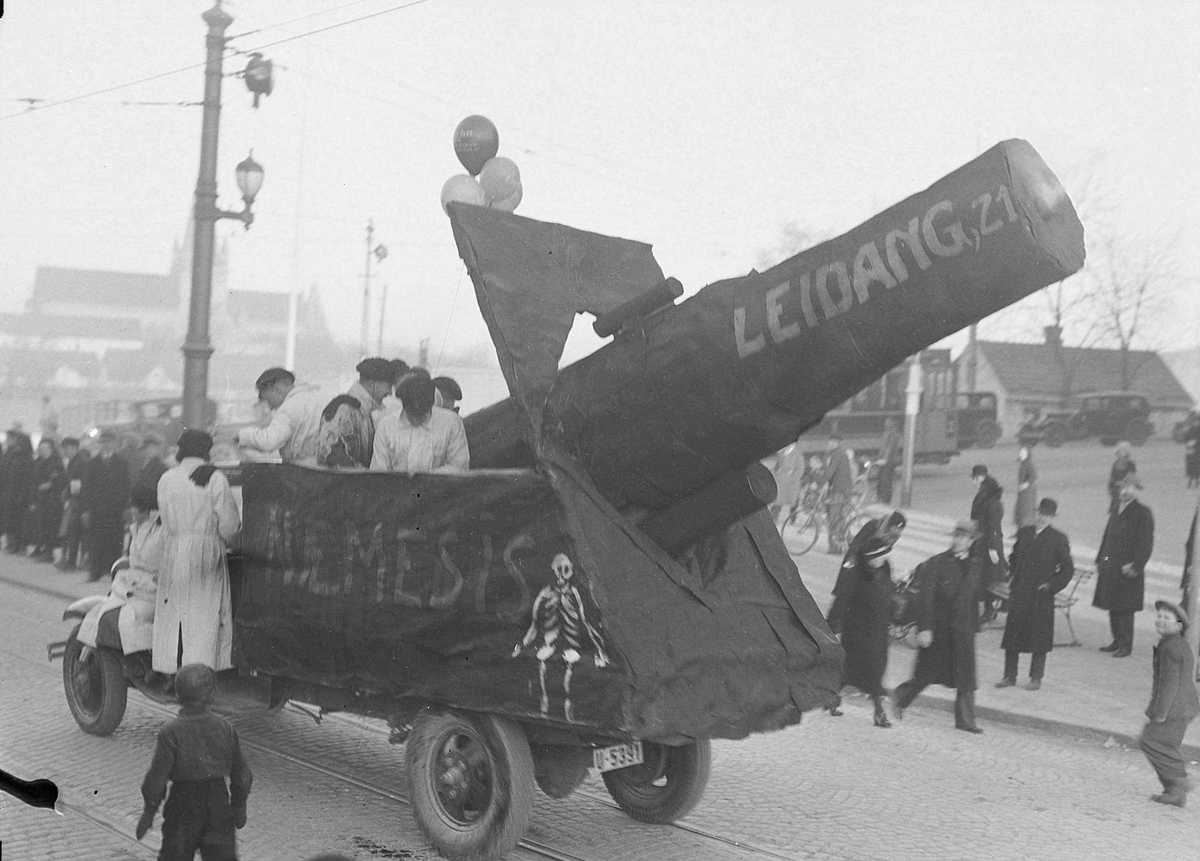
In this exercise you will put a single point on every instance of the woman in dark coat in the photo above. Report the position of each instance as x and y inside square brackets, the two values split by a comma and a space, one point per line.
[947, 615]
[861, 610]
[48, 482]
[1121, 565]
[1041, 567]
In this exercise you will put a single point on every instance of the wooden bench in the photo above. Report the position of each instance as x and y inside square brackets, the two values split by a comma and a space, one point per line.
[1064, 601]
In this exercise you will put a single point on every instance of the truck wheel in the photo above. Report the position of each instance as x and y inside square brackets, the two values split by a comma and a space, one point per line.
[666, 786]
[1137, 431]
[471, 783]
[1054, 434]
[95, 686]
[987, 432]
[560, 769]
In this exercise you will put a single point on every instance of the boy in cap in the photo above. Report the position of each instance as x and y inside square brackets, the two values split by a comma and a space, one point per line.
[195, 753]
[1173, 703]
[295, 423]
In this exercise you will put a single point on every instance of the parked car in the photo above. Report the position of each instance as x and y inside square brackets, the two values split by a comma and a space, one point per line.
[1110, 416]
[977, 425]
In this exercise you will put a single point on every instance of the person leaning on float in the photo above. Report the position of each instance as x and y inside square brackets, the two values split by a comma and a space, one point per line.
[193, 618]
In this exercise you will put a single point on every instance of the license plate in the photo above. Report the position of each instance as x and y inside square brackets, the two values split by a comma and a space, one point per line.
[617, 756]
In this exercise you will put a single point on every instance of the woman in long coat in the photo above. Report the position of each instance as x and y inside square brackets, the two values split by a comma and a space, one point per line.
[199, 516]
[1041, 567]
[987, 510]
[1025, 508]
[49, 478]
[861, 611]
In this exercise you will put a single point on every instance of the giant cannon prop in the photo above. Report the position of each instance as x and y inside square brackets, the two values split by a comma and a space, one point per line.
[603, 588]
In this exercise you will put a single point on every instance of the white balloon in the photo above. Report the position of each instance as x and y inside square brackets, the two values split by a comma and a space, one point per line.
[500, 178]
[509, 203]
[462, 188]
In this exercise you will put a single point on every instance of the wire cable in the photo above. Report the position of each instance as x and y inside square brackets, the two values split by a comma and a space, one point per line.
[279, 24]
[44, 104]
[335, 25]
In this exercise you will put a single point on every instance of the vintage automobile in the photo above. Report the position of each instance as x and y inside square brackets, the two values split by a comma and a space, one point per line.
[604, 588]
[1110, 416]
[976, 413]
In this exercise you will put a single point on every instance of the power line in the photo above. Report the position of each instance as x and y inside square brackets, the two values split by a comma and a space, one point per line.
[279, 24]
[334, 26]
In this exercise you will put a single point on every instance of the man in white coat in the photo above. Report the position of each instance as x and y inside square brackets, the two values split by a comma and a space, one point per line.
[193, 621]
[295, 424]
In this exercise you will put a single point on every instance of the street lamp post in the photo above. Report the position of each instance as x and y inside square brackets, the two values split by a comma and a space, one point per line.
[912, 408]
[249, 174]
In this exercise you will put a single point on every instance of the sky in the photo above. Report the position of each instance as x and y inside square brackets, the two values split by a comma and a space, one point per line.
[704, 128]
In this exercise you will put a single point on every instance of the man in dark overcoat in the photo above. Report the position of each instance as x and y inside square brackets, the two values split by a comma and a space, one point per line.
[104, 499]
[987, 510]
[1041, 568]
[16, 488]
[840, 474]
[947, 616]
[1121, 565]
[71, 527]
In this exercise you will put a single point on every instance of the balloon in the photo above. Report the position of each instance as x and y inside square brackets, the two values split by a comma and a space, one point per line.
[475, 141]
[462, 189]
[500, 178]
[509, 203]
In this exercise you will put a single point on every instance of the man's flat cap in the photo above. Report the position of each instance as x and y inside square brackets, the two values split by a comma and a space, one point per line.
[273, 375]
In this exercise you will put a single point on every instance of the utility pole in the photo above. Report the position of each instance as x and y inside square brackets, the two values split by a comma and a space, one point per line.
[382, 316]
[196, 347]
[912, 408]
[972, 356]
[380, 253]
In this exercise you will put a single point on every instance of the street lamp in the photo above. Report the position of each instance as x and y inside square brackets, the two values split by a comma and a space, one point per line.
[197, 347]
[379, 252]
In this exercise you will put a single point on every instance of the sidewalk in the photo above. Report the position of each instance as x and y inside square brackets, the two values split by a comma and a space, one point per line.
[1085, 691]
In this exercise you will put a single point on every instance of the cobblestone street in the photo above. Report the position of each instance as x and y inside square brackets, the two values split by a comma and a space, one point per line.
[829, 788]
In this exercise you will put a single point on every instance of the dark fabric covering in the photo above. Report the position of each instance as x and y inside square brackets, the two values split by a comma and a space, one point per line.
[948, 608]
[861, 613]
[1038, 559]
[532, 278]
[431, 580]
[987, 510]
[1128, 538]
[16, 487]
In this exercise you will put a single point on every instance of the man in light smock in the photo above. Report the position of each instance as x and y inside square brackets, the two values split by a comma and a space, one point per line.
[193, 623]
[295, 420]
[421, 438]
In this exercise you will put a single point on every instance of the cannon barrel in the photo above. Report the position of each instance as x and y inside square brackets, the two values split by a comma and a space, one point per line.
[740, 369]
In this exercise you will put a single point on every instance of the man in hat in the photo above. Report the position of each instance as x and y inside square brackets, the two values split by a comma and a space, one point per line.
[1173, 703]
[947, 616]
[295, 423]
[103, 501]
[422, 437]
[152, 461]
[196, 752]
[71, 529]
[447, 393]
[1041, 568]
[888, 529]
[1121, 565]
[987, 510]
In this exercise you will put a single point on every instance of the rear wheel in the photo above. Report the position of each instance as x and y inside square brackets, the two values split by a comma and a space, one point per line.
[1054, 434]
[666, 786]
[1137, 431]
[95, 686]
[806, 533]
[471, 779]
[987, 432]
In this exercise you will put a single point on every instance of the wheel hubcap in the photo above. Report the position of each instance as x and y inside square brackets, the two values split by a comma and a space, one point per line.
[464, 778]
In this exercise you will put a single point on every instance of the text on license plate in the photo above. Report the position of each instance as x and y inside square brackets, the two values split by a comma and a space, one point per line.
[617, 756]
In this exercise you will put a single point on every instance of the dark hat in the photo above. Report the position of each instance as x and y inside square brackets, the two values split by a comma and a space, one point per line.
[193, 443]
[1048, 507]
[195, 683]
[144, 496]
[897, 520]
[399, 366]
[1174, 608]
[376, 370]
[448, 387]
[273, 375]
[152, 439]
[69, 440]
[107, 434]
[967, 527]
[978, 469]
[876, 547]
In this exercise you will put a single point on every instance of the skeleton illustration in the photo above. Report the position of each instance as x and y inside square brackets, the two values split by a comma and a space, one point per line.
[558, 617]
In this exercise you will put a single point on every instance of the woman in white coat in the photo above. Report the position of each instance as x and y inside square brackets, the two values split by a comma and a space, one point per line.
[193, 622]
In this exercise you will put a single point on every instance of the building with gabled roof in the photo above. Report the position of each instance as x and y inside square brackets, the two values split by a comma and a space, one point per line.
[1050, 377]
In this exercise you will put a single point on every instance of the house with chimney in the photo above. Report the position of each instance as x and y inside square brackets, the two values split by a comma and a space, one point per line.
[1051, 376]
